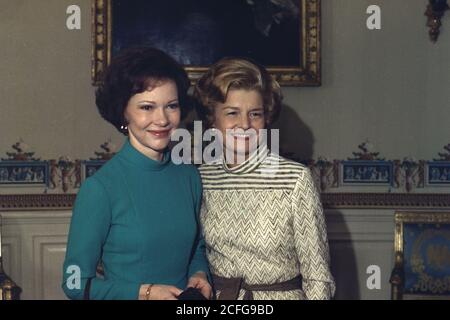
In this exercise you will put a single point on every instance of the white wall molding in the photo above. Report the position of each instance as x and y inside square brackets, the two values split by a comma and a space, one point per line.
[34, 245]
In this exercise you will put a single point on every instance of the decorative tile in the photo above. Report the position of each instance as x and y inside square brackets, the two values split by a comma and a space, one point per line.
[358, 172]
[438, 173]
[90, 167]
[22, 173]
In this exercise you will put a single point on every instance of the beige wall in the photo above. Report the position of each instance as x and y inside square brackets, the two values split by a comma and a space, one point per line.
[390, 86]
[47, 97]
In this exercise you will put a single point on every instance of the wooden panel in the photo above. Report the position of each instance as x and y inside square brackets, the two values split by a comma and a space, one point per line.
[11, 257]
[49, 252]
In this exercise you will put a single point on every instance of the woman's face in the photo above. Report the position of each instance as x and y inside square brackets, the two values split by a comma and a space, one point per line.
[152, 116]
[244, 110]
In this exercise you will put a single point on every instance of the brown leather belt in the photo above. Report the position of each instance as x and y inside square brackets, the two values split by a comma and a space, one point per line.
[230, 287]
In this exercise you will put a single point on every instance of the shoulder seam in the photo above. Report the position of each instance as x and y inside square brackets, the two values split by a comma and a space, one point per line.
[94, 178]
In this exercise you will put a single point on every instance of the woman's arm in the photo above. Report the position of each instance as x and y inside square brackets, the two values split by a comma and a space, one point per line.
[198, 274]
[198, 260]
[89, 227]
[311, 241]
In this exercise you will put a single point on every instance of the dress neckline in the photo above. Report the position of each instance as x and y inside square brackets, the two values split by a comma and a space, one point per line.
[131, 154]
[249, 165]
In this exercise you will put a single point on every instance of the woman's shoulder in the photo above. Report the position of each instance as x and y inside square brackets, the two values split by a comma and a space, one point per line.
[209, 165]
[105, 175]
[301, 176]
[92, 192]
[278, 162]
[208, 169]
[186, 171]
[185, 168]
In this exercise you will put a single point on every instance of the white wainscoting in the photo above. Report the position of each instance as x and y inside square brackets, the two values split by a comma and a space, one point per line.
[34, 247]
[34, 244]
[358, 239]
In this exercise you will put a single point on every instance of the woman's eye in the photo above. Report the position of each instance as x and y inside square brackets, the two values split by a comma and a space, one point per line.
[173, 106]
[232, 113]
[256, 114]
[147, 107]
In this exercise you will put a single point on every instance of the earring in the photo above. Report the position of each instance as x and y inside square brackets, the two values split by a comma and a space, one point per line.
[124, 129]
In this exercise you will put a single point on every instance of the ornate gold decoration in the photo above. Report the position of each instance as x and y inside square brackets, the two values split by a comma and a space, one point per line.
[9, 290]
[397, 276]
[101, 38]
[427, 282]
[435, 11]
[421, 217]
[308, 74]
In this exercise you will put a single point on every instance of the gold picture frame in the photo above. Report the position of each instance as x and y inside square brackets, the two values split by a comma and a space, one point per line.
[306, 73]
[398, 277]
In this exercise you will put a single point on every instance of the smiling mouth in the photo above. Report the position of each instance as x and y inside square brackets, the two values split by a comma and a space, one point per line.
[160, 133]
[241, 136]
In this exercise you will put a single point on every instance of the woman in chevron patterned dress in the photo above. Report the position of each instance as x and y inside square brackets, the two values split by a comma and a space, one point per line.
[262, 218]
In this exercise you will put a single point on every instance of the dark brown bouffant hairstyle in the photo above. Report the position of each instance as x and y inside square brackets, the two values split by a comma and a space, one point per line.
[236, 73]
[133, 71]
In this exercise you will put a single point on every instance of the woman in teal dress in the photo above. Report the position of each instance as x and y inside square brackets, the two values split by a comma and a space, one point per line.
[139, 213]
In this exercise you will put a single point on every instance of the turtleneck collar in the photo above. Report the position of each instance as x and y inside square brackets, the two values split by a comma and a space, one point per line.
[253, 161]
[131, 154]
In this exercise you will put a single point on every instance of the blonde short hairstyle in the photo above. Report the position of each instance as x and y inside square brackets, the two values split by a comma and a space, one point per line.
[231, 74]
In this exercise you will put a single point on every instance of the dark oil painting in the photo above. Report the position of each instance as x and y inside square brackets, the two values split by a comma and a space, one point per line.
[200, 32]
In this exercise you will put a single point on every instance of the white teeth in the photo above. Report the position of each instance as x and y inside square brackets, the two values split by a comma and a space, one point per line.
[241, 135]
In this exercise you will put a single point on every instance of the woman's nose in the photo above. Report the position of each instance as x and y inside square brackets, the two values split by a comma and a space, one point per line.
[161, 118]
[245, 122]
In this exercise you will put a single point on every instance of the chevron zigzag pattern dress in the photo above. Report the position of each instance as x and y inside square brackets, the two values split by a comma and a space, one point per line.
[263, 222]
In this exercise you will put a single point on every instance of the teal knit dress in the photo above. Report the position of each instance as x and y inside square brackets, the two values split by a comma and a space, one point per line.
[140, 218]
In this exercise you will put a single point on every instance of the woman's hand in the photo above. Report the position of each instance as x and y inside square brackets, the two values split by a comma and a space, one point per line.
[159, 292]
[199, 280]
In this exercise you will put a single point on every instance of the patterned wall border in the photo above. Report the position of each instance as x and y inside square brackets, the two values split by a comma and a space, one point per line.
[406, 178]
[385, 200]
[36, 202]
[329, 200]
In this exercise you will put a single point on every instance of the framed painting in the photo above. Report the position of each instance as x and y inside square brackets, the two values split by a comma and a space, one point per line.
[283, 35]
[422, 256]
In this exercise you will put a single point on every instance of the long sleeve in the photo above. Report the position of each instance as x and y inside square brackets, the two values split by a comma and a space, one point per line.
[90, 224]
[311, 241]
[198, 261]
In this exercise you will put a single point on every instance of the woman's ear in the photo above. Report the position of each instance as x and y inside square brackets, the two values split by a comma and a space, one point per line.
[211, 123]
[125, 119]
